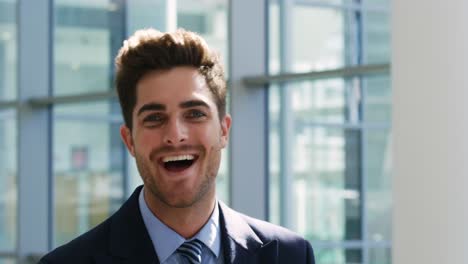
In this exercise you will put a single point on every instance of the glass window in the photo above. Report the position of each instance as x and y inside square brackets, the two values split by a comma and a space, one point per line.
[88, 156]
[378, 99]
[8, 44]
[88, 167]
[377, 36]
[325, 167]
[379, 199]
[8, 131]
[86, 37]
[329, 149]
[325, 46]
[210, 20]
[380, 255]
[8, 180]
[7, 261]
[377, 113]
[341, 256]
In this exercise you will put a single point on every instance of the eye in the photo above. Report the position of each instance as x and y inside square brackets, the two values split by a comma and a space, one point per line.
[153, 119]
[195, 114]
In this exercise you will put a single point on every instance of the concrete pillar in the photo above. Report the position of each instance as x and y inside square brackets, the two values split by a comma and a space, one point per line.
[430, 131]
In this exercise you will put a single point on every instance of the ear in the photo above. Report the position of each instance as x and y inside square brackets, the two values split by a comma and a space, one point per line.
[225, 128]
[127, 139]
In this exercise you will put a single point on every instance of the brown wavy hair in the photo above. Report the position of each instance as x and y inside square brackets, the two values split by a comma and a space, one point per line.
[149, 50]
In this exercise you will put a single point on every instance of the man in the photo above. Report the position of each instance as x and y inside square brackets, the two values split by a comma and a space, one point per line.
[172, 92]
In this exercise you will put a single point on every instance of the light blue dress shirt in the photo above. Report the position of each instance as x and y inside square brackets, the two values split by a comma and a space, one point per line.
[166, 241]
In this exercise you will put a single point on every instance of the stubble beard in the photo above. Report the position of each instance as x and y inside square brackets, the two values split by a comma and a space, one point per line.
[156, 191]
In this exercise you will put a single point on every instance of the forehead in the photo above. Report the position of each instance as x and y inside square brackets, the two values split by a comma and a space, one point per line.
[173, 86]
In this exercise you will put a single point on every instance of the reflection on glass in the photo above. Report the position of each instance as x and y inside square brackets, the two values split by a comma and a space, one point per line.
[8, 187]
[8, 261]
[380, 255]
[339, 256]
[377, 36]
[87, 166]
[330, 136]
[313, 45]
[327, 184]
[8, 43]
[378, 98]
[319, 47]
[86, 37]
[326, 162]
[377, 110]
[379, 199]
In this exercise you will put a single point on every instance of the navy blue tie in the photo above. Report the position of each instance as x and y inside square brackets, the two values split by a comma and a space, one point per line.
[191, 250]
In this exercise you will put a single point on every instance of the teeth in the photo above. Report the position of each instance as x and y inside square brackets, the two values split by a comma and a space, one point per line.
[177, 158]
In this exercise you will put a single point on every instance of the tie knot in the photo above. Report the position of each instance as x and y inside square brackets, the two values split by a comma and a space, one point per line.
[191, 250]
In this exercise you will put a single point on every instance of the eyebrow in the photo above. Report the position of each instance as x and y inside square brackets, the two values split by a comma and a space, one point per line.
[193, 103]
[151, 107]
[161, 107]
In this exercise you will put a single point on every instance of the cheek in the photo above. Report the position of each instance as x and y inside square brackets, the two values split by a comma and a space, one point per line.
[145, 142]
[213, 140]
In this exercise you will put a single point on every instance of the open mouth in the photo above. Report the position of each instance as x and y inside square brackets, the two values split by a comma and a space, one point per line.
[178, 163]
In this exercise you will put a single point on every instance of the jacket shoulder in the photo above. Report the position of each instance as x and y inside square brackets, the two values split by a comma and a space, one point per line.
[268, 231]
[290, 244]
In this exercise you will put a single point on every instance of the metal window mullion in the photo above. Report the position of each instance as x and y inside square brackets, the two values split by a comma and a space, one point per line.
[5, 105]
[248, 143]
[34, 145]
[286, 117]
[45, 101]
[364, 138]
[325, 4]
[118, 30]
[125, 155]
[346, 244]
[349, 244]
[347, 71]
[350, 126]
[364, 189]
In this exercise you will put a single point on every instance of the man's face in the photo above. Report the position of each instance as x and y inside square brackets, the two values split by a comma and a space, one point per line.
[176, 136]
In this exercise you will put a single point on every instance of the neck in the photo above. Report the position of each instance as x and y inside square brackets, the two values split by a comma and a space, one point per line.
[185, 221]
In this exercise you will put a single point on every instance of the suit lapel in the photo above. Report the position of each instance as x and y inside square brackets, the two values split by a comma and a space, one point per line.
[240, 243]
[129, 239]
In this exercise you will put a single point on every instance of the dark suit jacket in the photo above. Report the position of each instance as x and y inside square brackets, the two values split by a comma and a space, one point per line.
[123, 238]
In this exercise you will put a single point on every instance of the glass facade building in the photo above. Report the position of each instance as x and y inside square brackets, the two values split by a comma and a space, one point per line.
[328, 167]
[329, 136]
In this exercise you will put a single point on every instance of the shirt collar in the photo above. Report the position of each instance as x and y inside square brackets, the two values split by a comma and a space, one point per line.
[166, 241]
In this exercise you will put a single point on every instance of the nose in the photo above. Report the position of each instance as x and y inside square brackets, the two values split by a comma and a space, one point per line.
[176, 132]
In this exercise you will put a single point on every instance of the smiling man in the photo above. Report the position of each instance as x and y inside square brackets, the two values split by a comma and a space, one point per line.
[172, 92]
